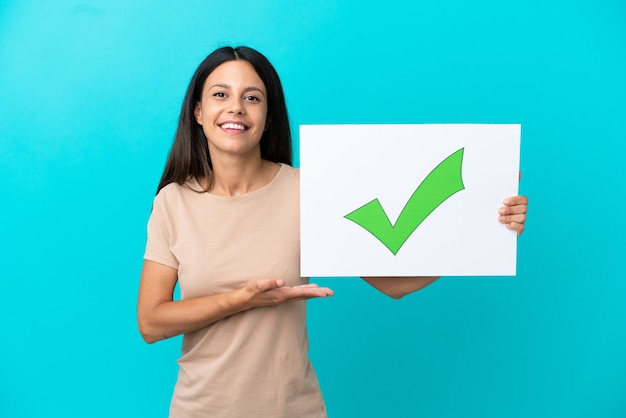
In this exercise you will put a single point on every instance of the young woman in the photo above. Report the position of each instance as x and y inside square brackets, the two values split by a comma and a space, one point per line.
[225, 226]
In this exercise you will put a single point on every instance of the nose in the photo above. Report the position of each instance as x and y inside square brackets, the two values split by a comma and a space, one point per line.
[236, 106]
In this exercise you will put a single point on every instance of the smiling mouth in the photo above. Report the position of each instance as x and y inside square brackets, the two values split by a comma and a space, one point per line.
[232, 125]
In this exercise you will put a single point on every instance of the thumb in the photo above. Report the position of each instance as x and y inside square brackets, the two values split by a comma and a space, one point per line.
[269, 284]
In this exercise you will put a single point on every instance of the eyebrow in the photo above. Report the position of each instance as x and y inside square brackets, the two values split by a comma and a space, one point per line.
[247, 89]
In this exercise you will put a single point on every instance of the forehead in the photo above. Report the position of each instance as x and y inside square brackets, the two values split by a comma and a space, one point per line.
[238, 73]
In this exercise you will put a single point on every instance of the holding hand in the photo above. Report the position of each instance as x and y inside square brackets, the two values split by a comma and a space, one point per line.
[513, 213]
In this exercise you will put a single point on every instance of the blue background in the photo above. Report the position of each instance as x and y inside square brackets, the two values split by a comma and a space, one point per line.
[89, 97]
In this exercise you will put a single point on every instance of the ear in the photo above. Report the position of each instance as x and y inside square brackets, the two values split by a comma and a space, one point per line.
[197, 112]
[267, 124]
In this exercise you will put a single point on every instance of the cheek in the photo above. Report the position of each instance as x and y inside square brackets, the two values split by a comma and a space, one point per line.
[205, 116]
[266, 120]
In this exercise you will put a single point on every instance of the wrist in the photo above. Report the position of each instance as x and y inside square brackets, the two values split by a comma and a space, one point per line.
[238, 300]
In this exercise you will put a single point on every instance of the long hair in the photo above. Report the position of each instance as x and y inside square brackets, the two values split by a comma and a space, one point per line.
[189, 156]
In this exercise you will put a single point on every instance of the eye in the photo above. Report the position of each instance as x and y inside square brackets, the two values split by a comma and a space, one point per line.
[219, 94]
[252, 98]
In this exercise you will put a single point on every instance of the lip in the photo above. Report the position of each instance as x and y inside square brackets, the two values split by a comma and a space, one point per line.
[224, 125]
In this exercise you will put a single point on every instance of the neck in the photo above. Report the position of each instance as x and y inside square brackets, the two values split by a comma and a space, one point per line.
[234, 177]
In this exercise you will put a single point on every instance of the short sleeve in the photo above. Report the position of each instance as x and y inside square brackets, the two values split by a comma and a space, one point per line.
[158, 245]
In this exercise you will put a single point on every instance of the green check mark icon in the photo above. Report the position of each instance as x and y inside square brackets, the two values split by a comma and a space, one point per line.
[441, 183]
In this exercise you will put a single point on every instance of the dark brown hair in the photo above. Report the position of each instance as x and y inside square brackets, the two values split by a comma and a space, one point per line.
[189, 156]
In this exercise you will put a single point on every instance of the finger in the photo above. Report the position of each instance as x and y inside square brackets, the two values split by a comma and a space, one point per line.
[517, 227]
[515, 200]
[512, 210]
[324, 291]
[266, 285]
[520, 219]
[308, 285]
[301, 292]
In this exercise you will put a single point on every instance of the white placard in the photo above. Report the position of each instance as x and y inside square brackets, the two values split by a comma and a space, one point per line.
[452, 179]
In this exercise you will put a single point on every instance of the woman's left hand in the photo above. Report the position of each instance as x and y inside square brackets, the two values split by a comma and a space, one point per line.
[513, 213]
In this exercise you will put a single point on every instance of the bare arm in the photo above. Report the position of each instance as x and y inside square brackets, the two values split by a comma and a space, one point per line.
[512, 215]
[397, 287]
[160, 317]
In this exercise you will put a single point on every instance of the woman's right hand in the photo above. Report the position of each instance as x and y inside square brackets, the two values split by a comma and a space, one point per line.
[160, 317]
[268, 292]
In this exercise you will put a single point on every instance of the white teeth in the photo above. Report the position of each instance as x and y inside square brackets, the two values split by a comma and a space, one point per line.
[231, 125]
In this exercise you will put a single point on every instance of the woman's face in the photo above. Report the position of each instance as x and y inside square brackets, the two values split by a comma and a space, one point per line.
[233, 110]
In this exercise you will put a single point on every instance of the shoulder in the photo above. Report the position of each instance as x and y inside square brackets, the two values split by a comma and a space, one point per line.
[175, 192]
[289, 172]
[289, 176]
